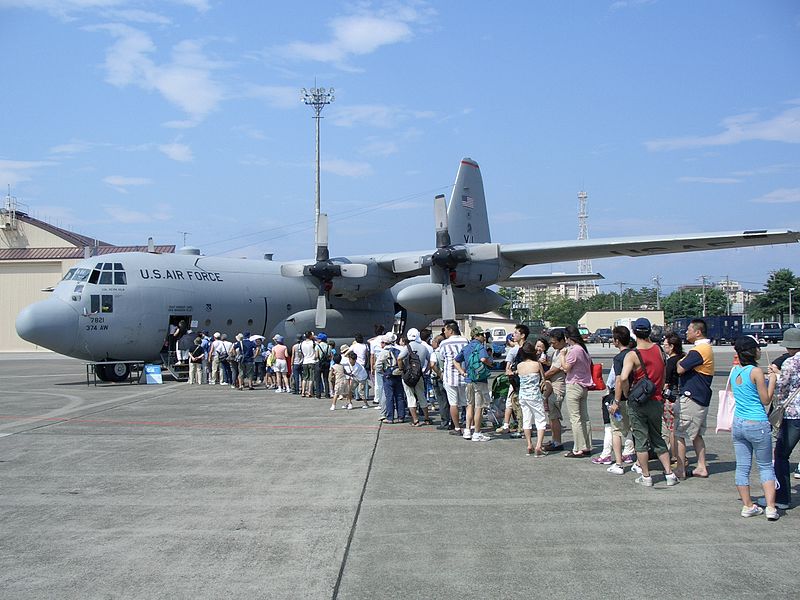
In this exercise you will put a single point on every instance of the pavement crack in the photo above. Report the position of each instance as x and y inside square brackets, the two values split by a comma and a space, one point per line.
[355, 517]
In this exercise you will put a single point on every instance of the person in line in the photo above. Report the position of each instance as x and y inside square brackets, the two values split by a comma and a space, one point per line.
[357, 377]
[308, 348]
[325, 352]
[415, 395]
[455, 386]
[339, 383]
[518, 338]
[556, 375]
[531, 377]
[245, 352]
[787, 394]
[577, 365]
[196, 355]
[375, 345]
[280, 364]
[619, 418]
[646, 360]
[673, 348]
[437, 385]
[473, 363]
[696, 372]
[297, 365]
[392, 381]
[362, 353]
[751, 431]
[216, 350]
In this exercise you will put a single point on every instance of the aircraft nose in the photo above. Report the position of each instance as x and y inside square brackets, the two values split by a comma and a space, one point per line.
[51, 324]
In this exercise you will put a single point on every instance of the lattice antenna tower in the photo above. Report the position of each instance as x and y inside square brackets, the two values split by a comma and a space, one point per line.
[586, 289]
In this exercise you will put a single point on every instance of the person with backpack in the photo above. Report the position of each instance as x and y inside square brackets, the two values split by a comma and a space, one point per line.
[473, 362]
[414, 360]
[392, 381]
[324, 351]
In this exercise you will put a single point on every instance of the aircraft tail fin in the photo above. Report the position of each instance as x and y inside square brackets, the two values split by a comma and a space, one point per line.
[467, 218]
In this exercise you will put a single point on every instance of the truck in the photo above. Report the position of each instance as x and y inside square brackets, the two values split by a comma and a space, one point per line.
[768, 332]
[722, 329]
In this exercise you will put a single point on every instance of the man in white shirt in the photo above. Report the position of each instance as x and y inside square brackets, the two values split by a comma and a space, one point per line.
[455, 385]
[310, 359]
[360, 349]
[416, 394]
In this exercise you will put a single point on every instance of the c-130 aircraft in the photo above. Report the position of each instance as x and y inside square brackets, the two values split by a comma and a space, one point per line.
[118, 307]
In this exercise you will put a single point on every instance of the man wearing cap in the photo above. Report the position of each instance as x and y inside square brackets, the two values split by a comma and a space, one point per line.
[324, 351]
[477, 388]
[392, 381]
[645, 418]
[375, 345]
[455, 386]
[216, 348]
[297, 365]
[308, 347]
[416, 395]
[696, 372]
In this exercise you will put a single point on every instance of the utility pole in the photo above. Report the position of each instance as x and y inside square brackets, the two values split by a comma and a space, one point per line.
[657, 281]
[791, 315]
[317, 98]
[703, 281]
[620, 284]
[185, 233]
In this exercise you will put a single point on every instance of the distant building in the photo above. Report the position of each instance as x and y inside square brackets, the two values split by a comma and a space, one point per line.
[596, 319]
[34, 255]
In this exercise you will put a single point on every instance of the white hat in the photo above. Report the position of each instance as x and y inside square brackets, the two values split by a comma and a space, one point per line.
[412, 334]
[389, 338]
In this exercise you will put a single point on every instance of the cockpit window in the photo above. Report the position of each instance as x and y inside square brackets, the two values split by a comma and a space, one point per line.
[106, 274]
[68, 275]
[81, 275]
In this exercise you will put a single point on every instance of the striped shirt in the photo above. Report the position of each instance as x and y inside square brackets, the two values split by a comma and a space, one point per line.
[448, 349]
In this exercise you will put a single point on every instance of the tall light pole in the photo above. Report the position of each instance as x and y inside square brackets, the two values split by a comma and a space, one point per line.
[791, 315]
[317, 98]
[657, 281]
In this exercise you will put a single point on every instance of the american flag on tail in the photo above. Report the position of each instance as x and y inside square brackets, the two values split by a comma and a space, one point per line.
[467, 202]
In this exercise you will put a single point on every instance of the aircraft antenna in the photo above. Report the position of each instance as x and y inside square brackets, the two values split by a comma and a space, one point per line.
[317, 98]
[584, 289]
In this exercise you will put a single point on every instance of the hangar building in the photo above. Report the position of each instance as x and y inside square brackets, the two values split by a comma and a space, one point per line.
[34, 255]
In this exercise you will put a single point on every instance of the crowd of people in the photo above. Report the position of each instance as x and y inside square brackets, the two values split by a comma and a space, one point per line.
[656, 406]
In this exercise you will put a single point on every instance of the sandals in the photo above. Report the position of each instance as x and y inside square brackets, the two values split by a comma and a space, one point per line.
[415, 424]
[572, 454]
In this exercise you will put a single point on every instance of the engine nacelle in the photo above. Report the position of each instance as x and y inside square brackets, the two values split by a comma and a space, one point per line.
[426, 298]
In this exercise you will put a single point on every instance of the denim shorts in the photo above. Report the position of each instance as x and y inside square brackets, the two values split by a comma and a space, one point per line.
[749, 438]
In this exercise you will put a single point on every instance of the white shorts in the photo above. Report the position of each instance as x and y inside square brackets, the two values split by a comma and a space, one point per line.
[279, 366]
[533, 412]
[456, 394]
[416, 393]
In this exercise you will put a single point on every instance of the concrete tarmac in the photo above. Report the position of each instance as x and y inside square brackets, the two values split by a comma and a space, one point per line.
[178, 491]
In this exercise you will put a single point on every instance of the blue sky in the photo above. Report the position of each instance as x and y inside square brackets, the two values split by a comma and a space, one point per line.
[125, 119]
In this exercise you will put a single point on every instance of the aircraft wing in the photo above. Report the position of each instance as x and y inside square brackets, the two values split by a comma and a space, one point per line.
[523, 280]
[551, 252]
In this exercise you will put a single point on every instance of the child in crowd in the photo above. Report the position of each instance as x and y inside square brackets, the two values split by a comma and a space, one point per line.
[357, 376]
[339, 384]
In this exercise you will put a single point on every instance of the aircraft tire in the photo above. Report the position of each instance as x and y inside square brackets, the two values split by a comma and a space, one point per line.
[116, 373]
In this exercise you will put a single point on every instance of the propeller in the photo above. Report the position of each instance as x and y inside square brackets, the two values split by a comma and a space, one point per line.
[324, 270]
[444, 261]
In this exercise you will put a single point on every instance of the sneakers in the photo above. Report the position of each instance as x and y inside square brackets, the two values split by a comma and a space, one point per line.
[602, 460]
[753, 511]
[645, 481]
[628, 458]
[349, 406]
[467, 434]
[480, 437]
[672, 479]
[772, 513]
[516, 435]
[615, 469]
[636, 469]
[365, 406]
[333, 407]
[503, 429]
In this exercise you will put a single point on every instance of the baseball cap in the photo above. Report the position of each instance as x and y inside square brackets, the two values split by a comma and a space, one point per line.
[412, 334]
[477, 331]
[641, 324]
[744, 343]
[322, 337]
[389, 338]
[791, 338]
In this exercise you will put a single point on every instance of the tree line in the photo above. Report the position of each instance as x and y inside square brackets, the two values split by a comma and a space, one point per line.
[771, 305]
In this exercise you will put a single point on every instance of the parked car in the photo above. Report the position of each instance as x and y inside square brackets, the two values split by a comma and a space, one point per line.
[601, 336]
[770, 332]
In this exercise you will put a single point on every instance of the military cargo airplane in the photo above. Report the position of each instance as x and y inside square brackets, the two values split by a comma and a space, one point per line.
[119, 307]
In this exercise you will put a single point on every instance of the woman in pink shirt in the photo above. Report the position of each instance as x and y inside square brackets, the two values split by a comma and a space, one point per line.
[578, 366]
[279, 351]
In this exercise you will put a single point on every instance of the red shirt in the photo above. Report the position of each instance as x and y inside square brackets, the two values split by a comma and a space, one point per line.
[654, 363]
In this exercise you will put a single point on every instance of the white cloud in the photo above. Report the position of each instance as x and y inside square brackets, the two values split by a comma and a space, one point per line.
[375, 115]
[780, 196]
[717, 180]
[13, 172]
[362, 33]
[346, 168]
[121, 183]
[185, 82]
[623, 4]
[379, 148]
[275, 95]
[67, 9]
[784, 127]
[177, 151]
[133, 15]
[122, 214]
